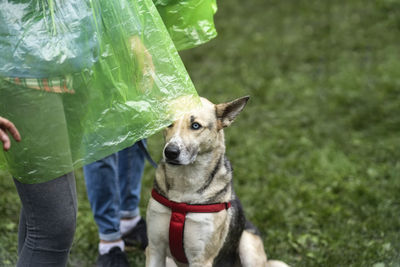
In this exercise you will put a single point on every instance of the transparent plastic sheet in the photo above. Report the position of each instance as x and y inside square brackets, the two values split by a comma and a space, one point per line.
[189, 22]
[84, 79]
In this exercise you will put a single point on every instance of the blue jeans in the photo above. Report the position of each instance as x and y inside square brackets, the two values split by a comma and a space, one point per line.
[113, 185]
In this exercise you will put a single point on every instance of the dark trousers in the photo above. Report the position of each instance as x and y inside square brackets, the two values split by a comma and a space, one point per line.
[48, 221]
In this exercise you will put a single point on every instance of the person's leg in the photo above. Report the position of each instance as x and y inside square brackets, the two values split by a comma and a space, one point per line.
[48, 221]
[131, 165]
[103, 192]
[21, 230]
[130, 171]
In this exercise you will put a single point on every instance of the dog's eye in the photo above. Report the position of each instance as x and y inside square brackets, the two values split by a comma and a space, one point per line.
[170, 126]
[195, 126]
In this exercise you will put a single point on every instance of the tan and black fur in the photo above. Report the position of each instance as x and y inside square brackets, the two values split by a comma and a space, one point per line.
[195, 170]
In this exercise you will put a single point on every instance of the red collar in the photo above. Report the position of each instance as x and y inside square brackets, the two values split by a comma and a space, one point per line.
[177, 221]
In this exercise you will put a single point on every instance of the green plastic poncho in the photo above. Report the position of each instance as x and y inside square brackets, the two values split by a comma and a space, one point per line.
[82, 79]
[190, 23]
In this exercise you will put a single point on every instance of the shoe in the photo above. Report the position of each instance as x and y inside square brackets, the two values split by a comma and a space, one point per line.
[114, 258]
[137, 237]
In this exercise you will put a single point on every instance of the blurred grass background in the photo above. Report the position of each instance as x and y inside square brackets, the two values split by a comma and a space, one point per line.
[315, 152]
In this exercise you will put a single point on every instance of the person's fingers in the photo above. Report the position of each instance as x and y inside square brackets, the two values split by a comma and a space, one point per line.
[9, 126]
[5, 140]
[14, 131]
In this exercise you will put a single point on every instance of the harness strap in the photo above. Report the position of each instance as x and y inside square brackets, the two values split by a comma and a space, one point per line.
[177, 221]
[146, 153]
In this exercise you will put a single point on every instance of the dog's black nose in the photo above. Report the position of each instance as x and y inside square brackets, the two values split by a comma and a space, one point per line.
[171, 151]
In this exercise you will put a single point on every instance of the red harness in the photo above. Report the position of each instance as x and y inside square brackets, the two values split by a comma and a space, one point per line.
[177, 221]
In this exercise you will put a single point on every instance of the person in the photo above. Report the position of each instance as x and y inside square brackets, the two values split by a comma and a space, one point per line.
[113, 186]
[47, 224]
[33, 92]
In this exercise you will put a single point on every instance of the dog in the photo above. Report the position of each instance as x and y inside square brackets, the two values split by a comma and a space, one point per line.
[194, 215]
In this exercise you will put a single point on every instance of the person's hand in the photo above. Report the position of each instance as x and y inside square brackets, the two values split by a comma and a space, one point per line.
[5, 127]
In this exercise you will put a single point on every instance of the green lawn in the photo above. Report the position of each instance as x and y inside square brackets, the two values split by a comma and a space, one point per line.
[316, 152]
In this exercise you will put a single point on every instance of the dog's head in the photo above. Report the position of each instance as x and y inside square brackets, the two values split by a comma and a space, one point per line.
[200, 131]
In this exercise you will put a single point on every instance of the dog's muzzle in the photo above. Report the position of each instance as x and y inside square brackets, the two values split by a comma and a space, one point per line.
[171, 153]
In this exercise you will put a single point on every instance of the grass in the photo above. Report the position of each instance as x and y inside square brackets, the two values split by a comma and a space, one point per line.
[316, 151]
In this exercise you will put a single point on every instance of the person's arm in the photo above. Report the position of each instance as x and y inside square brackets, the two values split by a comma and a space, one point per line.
[5, 127]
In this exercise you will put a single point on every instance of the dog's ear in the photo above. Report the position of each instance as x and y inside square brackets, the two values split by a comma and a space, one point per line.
[227, 112]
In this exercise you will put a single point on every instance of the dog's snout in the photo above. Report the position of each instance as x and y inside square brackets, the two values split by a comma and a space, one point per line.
[171, 151]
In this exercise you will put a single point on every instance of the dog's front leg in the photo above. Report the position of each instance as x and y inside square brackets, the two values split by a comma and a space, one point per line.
[155, 257]
[205, 234]
[157, 231]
